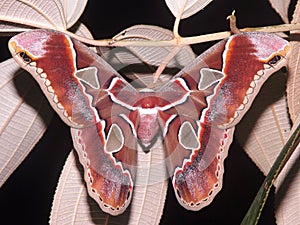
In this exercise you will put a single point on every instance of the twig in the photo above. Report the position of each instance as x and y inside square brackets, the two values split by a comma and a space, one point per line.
[165, 62]
[232, 23]
[184, 40]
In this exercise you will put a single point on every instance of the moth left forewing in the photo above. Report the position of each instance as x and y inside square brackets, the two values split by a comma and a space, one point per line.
[50, 57]
[111, 164]
[80, 86]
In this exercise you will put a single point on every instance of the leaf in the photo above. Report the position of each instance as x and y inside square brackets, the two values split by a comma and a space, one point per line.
[16, 16]
[24, 116]
[281, 7]
[139, 63]
[81, 30]
[254, 211]
[154, 55]
[72, 205]
[293, 83]
[150, 187]
[73, 10]
[262, 133]
[186, 8]
[265, 128]
[287, 207]
[288, 183]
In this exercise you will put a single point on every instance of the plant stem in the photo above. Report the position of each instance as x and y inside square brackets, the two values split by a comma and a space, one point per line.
[182, 41]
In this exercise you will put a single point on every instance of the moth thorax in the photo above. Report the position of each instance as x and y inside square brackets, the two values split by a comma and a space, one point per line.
[148, 126]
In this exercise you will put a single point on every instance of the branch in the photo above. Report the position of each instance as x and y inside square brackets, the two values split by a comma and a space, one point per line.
[182, 41]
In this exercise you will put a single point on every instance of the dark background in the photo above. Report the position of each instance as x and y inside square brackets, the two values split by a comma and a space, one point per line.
[26, 197]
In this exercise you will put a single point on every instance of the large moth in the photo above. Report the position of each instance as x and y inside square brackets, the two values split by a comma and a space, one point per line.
[194, 112]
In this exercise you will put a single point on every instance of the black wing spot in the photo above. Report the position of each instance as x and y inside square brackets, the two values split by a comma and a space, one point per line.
[26, 58]
[273, 61]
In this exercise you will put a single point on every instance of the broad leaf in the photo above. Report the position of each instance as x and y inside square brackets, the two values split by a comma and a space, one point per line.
[155, 55]
[140, 63]
[281, 7]
[293, 83]
[287, 207]
[288, 183]
[288, 150]
[73, 10]
[24, 116]
[265, 128]
[16, 16]
[268, 126]
[186, 8]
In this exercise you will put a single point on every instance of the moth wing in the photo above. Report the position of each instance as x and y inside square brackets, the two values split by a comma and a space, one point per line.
[108, 149]
[82, 87]
[220, 84]
[194, 151]
[246, 60]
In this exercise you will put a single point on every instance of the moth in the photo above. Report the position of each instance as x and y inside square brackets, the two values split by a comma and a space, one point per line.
[195, 112]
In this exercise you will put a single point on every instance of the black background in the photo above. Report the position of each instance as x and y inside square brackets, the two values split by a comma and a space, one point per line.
[26, 197]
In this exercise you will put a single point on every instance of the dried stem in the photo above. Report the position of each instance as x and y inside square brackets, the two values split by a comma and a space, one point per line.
[181, 41]
[232, 22]
[165, 62]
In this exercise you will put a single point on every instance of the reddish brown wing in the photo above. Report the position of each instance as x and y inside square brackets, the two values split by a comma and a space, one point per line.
[196, 140]
[248, 60]
[108, 149]
[75, 81]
